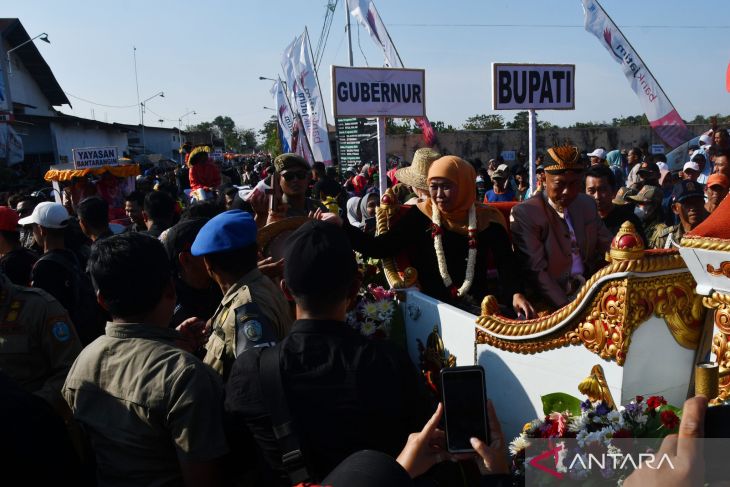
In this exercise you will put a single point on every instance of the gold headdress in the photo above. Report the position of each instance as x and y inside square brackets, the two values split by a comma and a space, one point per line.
[198, 150]
[565, 157]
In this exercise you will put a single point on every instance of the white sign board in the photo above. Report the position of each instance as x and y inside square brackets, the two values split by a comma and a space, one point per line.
[533, 86]
[217, 155]
[657, 148]
[95, 157]
[378, 92]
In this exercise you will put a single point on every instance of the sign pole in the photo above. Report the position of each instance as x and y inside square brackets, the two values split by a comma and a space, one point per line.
[532, 127]
[382, 163]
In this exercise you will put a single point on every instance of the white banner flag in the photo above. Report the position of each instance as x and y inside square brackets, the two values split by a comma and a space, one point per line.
[662, 116]
[367, 15]
[11, 145]
[306, 96]
[286, 118]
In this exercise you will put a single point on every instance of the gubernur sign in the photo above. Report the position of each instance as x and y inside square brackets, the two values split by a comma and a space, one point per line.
[378, 92]
[533, 86]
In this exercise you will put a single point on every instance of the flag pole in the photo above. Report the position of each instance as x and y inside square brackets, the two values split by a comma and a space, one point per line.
[349, 32]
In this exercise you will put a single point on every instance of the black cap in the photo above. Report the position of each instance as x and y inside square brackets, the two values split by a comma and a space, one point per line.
[686, 189]
[180, 237]
[318, 260]
[649, 168]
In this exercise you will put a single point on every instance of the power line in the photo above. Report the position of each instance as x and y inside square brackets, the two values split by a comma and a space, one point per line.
[567, 26]
[99, 104]
[164, 118]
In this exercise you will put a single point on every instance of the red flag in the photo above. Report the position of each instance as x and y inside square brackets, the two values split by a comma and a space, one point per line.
[429, 135]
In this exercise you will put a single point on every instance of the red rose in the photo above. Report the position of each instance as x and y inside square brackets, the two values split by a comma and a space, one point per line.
[454, 291]
[669, 419]
[435, 230]
[655, 401]
[623, 433]
[639, 399]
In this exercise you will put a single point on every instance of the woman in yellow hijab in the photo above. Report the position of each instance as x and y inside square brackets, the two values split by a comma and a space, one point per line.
[453, 242]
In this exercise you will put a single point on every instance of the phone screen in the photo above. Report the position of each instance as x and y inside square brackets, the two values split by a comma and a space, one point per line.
[465, 413]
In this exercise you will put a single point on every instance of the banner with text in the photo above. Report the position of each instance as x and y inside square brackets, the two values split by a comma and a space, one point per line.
[378, 92]
[306, 96]
[662, 115]
[533, 86]
[286, 119]
[95, 157]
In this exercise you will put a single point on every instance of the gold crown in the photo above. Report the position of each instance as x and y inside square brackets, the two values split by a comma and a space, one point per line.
[564, 157]
[198, 150]
[627, 244]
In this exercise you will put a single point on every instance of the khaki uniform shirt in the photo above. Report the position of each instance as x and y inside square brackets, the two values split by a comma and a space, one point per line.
[666, 237]
[38, 342]
[252, 313]
[146, 405]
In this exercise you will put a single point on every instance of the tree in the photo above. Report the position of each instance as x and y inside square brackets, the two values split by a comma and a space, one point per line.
[521, 121]
[270, 134]
[630, 121]
[392, 127]
[484, 122]
[442, 127]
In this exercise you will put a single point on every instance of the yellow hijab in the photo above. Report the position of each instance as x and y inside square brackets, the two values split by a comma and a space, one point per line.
[463, 176]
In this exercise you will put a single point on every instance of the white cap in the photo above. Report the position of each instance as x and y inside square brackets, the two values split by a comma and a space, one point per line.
[599, 153]
[705, 139]
[47, 214]
[691, 165]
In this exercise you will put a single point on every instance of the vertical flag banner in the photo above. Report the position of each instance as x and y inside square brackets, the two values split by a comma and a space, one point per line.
[367, 16]
[662, 115]
[305, 96]
[284, 115]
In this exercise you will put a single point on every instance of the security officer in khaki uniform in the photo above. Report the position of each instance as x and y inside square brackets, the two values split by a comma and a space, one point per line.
[38, 342]
[649, 209]
[253, 312]
[688, 203]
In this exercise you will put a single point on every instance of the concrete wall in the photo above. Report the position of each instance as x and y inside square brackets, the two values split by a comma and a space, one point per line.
[487, 144]
[23, 88]
[157, 140]
[77, 137]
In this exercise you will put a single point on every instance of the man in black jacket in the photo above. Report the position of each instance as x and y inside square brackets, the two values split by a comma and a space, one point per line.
[344, 392]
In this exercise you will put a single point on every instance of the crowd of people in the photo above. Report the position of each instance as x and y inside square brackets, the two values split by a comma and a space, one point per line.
[168, 349]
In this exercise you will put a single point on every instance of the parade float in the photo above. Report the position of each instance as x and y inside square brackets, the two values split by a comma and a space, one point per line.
[636, 328]
[95, 171]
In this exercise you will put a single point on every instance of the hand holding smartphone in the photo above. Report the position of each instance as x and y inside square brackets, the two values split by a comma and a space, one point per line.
[464, 395]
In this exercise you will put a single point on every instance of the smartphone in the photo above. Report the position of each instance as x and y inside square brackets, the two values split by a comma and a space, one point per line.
[464, 396]
[717, 426]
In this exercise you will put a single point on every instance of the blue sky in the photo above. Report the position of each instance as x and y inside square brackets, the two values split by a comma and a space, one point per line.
[207, 56]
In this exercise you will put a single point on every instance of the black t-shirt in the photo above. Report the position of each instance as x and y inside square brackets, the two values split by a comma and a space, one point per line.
[200, 303]
[55, 278]
[325, 187]
[618, 215]
[345, 393]
[18, 264]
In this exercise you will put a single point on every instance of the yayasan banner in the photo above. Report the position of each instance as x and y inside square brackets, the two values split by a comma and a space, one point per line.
[662, 116]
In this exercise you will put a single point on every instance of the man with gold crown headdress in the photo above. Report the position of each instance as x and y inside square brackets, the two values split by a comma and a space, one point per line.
[559, 233]
[205, 176]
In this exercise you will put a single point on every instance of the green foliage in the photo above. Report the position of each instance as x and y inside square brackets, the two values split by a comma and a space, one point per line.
[630, 121]
[484, 122]
[270, 134]
[559, 402]
[442, 127]
[223, 127]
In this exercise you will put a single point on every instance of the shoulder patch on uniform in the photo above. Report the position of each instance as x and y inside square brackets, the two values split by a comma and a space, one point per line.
[253, 328]
[61, 331]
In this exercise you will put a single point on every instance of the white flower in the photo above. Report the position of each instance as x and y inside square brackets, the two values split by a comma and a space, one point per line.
[368, 328]
[518, 444]
[577, 423]
[384, 306]
[641, 418]
[370, 310]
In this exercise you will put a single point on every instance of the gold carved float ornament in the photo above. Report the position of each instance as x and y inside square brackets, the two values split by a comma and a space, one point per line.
[617, 307]
[720, 303]
[388, 210]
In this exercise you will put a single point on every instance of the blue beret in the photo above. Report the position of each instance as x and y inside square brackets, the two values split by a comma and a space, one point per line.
[230, 230]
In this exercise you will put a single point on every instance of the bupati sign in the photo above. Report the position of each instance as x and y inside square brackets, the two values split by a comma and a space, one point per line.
[378, 92]
[95, 157]
[533, 86]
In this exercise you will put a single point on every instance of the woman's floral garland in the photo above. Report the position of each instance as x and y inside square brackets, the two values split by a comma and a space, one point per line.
[436, 233]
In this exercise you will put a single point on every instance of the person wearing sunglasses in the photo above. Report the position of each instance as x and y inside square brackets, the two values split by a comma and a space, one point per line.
[294, 177]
